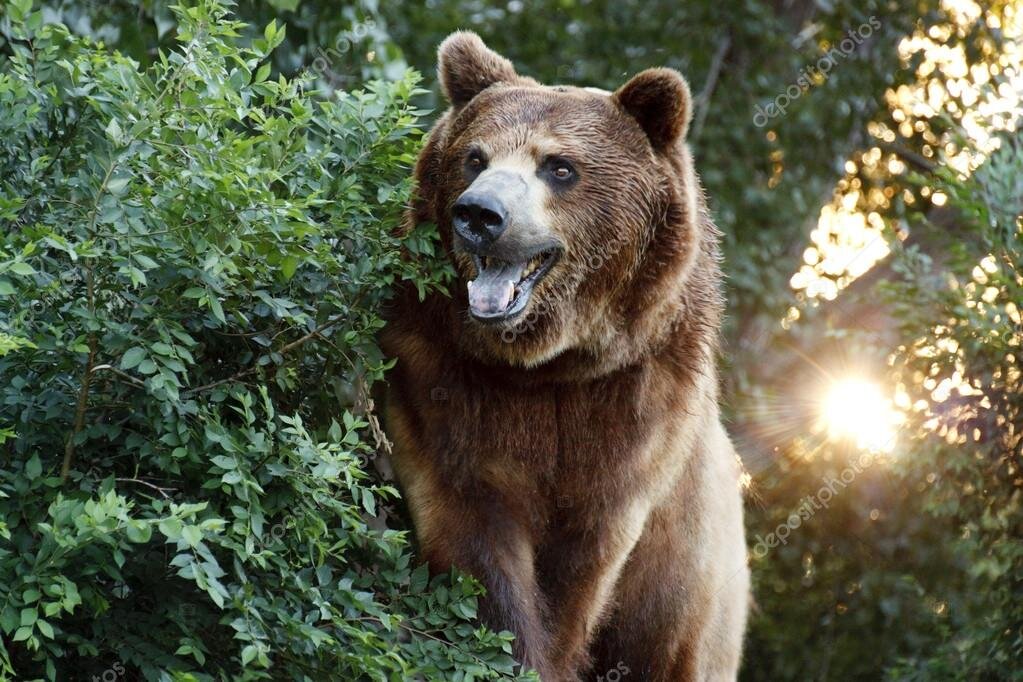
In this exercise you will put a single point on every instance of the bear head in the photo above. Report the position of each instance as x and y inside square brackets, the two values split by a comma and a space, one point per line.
[572, 216]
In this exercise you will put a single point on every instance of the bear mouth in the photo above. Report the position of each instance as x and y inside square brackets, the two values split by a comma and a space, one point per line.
[502, 289]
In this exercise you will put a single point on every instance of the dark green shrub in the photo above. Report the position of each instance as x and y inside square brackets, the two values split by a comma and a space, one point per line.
[194, 257]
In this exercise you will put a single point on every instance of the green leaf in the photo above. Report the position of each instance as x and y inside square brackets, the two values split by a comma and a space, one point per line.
[113, 131]
[133, 357]
[20, 9]
[139, 532]
[192, 535]
[33, 467]
[8, 619]
[224, 462]
[147, 367]
[45, 628]
[419, 579]
[263, 73]
[288, 266]
[217, 309]
[162, 348]
[171, 528]
[117, 185]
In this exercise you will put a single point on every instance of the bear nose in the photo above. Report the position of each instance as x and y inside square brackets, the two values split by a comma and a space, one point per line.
[479, 217]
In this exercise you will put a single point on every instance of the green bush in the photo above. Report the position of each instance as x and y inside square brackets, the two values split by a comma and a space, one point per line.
[193, 264]
[960, 363]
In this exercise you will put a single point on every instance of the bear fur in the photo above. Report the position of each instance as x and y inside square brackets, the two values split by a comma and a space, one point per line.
[572, 457]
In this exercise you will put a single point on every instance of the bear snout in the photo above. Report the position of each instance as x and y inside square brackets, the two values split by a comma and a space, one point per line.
[479, 217]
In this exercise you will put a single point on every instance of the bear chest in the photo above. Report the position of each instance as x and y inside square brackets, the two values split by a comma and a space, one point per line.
[551, 451]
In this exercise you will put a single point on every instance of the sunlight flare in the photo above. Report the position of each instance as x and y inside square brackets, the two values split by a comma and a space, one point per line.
[857, 410]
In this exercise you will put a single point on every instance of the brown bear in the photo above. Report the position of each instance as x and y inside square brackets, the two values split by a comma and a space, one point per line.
[555, 420]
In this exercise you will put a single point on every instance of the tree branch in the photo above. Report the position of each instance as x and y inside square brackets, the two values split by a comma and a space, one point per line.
[124, 375]
[702, 102]
[918, 161]
[83, 400]
[162, 491]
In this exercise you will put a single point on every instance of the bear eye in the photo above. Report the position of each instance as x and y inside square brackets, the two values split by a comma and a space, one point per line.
[475, 162]
[560, 170]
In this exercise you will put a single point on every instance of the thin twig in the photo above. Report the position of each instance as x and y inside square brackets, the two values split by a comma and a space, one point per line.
[912, 158]
[703, 99]
[124, 375]
[83, 400]
[364, 403]
[162, 491]
[83, 391]
[416, 631]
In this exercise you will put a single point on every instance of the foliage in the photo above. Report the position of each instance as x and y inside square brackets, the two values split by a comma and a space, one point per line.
[915, 569]
[843, 605]
[767, 182]
[345, 43]
[960, 364]
[193, 264]
[239, 254]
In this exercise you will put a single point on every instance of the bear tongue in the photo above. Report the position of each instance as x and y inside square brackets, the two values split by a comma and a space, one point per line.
[494, 288]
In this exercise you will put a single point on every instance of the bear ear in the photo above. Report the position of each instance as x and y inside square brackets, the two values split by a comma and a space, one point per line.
[659, 100]
[466, 67]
